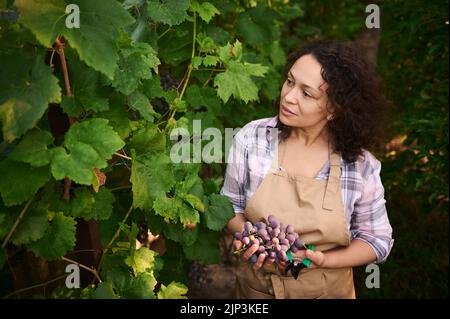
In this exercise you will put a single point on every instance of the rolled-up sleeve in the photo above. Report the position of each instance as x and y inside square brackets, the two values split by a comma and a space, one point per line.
[236, 173]
[370, 221]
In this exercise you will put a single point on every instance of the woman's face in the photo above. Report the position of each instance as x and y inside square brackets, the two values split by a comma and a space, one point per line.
[303, 95]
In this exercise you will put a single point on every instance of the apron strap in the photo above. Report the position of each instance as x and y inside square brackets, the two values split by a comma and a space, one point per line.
[334, 181]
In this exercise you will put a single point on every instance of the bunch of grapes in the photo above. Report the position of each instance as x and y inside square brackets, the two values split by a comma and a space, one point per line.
[274, 239]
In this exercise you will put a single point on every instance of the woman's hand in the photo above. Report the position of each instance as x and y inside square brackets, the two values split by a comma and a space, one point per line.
[262, 259]
[317, 258]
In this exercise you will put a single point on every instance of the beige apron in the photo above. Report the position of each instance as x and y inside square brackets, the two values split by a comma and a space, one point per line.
[316, 210]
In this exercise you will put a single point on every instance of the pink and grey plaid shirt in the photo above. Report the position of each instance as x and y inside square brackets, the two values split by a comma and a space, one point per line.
[249, 160]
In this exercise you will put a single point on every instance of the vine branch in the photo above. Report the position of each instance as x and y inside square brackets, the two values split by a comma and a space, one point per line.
[13, 228]
[60, 48]
[91, 270]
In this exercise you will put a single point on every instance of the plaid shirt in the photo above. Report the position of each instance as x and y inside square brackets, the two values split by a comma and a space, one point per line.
[250, 158]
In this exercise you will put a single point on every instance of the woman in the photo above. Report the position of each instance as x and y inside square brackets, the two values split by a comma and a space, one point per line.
[314, 173]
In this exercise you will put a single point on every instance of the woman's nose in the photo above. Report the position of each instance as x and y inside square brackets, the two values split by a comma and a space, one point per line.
[290, 96]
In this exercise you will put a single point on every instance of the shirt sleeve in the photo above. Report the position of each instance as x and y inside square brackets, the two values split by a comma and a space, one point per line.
[236, 174]
[370, 221]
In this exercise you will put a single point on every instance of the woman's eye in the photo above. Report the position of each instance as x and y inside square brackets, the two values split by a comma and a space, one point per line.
[289, 81]
[306, 94]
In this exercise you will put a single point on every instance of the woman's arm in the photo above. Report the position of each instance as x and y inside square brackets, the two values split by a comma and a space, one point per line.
[356, 254]
[236, 224]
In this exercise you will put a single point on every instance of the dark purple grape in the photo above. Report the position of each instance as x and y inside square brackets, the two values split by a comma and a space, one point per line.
[290, 238]
[262, 232]
[248, 226]
[294, 249]
[299, 243]
[281, 235]
[284, 247]
[285, 242]
[238, 235]
[253, 258]
[261, 249]
[246, 240]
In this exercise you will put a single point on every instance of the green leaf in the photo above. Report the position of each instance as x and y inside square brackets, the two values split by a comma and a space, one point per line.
[168, 208]
[140, 287]
[99, 135]
[140, 103]
[178, 233]
[104, 290]
[203, 97]
[58, 239]
[103, 205]
[151, 177]
[78, 164]
[210, 60]
[174, 290]
[141, 261]
[195, 202]
[20, 181]
[94, 40]
[118, 116]
[31, 228]
[90, 143]
[236, 81]
[171, 12]
[136, 63]
[86, 89]
[218, 212]
[257, 26]
[25, 98]
[148, 140]
[205, 10]
[176, 46]
[32, 149]
[206, 249]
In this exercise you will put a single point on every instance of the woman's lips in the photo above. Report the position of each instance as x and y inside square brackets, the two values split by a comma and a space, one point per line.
[286, 111]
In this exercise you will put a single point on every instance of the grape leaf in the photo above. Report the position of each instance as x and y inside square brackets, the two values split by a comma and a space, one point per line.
[205, 249]
[104, 290]
[99, 135]
[32, 227]
[218, 212]
[20, 181]
[205, 10]
[140, 287]
[178, 233]
[118, 116]
[32, 149]
[78, 164]
[207, 97]
[168, 208]
[151, 177]
[86, 89]
[148, 140]
[236, 81]
[58, 239]
[90, 143]
[94, 40]
[142, 260]
[140, 103]
[136, 63]
[174, 290]
[171, 12]
[258, 27]
[210, 60]
[103, 205]
[25, 98]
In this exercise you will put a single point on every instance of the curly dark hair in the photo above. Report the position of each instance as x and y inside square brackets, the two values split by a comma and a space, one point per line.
[354, 92]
